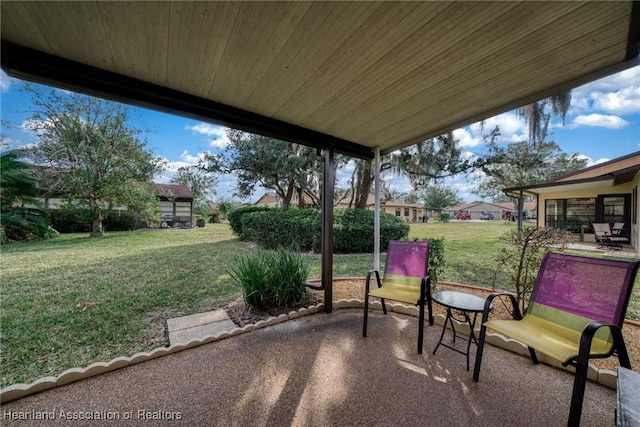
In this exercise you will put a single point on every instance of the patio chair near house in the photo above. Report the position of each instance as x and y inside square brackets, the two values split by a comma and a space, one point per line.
[576, 312]
[618, 229]
[606, 237]
[406, 279]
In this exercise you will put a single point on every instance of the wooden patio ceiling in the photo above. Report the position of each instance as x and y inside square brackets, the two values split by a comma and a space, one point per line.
[345, 75]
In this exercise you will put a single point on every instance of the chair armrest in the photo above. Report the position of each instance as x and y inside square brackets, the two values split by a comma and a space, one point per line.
[589, 332]
[376, 275]
[489, 301]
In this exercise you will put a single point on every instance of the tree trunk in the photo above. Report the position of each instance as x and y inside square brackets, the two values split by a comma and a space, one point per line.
[96, 219]
[365, 181]
[286, 197]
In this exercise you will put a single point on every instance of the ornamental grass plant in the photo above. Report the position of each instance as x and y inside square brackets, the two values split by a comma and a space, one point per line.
[272, 279]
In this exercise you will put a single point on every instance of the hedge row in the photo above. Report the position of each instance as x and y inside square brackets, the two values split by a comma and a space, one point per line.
[297, 229]
[79, 220]
[301, 229]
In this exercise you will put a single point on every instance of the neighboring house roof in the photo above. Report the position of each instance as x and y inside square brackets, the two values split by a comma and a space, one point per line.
[528, 206]
[267, 198]
[614, 172]
[273, 199]
[400, 204]
[174, 191]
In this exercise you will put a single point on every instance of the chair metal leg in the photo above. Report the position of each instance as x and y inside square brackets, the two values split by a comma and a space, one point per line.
[577, 396]
[366, 315]
[421, 326]
[481, 337]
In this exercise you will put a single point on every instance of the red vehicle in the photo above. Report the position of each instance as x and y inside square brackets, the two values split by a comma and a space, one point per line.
[463, 215]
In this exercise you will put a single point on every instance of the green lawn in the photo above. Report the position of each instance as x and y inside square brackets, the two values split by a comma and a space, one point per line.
[73, 301]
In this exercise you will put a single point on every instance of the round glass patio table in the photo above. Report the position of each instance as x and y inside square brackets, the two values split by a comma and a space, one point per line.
[464, 304]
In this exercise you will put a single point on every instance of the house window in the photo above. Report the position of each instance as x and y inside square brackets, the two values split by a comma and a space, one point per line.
[406, 212]
[613, 208]
[574, 215]
[398, 212]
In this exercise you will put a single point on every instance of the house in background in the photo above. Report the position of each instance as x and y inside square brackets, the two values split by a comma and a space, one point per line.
[476, 209]
[410, 212]
[175, 203]
[607, 192]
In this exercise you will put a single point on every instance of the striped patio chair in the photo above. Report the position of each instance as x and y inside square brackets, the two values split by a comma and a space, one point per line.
[406, 279]
[576, 312]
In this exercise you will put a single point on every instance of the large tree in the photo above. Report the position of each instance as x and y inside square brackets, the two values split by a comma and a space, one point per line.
[429, 161]
[88, 151]
[439, 196]
[522, 163]
[284, 167]
[537, 115]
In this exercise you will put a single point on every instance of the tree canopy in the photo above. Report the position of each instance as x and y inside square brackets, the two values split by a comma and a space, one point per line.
[286, 168]
[439, 196]
[88, 151]
[523, 163]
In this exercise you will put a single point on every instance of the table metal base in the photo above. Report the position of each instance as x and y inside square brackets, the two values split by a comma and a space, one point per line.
[472, 338]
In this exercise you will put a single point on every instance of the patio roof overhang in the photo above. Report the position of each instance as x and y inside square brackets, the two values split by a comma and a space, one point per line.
[348, 76]
[356, 78]
[595, 182]
[577, 185]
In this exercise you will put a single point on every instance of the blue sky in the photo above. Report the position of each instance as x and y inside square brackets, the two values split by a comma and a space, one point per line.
[603, 123]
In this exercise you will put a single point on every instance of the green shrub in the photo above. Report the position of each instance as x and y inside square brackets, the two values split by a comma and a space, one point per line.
[214, 217]
[293, 228]
[354, 230]
[522, 254]
[119, 220]
[200, 222]
[445, 217]
[436, 258]
[301, 229]
[79, 220]
[24, 224]
[70, 220]
[235, 218]
[272, 279]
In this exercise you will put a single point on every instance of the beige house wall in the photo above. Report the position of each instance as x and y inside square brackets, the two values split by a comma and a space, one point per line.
[57, 203]
[626, 188]
[408, 213]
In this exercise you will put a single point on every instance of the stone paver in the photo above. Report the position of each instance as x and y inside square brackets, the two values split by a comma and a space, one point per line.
[197, 326]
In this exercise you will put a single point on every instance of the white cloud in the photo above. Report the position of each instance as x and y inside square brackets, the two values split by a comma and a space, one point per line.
[624, 101]
[466, 138]
[5, 81]
[9, 143]
[186, 160]
[616, 94]
[626, 78]
[598, 120]
[512, 129]
[343, 175]
[219, 133]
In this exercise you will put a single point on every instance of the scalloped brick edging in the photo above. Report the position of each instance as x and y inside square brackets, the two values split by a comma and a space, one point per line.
[16, 391]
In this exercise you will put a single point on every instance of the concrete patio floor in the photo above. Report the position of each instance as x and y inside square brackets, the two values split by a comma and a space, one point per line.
[318, 370]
